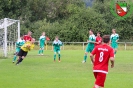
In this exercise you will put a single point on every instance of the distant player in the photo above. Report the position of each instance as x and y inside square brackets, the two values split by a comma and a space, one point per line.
[19, 43]
[90, 45]
[28, 36]
[56, 44]
[98, 39]
[103, 53]
[29, 45]
[42, 43]
[114, 40]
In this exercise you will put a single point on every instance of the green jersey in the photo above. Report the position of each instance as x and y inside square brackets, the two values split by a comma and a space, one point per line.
[114, 37]
[57, 45]
[19, 43]
[91, 38]
[42, 41]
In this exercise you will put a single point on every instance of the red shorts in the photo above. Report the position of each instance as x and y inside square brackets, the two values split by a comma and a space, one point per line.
[100, 78]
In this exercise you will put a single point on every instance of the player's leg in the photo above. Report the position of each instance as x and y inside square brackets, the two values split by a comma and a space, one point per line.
[55, 51]
[24, 55]
[20, 54]
[59, 55]
[115, 48]
[42, 50]
[39, 52]
[100, 79]
[85, 55]
[15, 57]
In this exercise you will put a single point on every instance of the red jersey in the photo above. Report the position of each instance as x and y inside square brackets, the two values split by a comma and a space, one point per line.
[98, 39]
[27, 38]
[102, 54]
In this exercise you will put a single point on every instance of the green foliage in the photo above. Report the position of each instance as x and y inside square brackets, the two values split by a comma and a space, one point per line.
[69, 19]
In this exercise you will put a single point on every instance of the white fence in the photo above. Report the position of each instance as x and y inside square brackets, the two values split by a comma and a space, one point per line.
[74, 46]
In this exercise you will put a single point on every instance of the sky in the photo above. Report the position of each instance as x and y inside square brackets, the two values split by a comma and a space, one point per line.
[88, 2]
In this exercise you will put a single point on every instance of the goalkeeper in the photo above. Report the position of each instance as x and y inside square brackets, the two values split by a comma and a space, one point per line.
[19, 43]
[56, 44]
[29, 45]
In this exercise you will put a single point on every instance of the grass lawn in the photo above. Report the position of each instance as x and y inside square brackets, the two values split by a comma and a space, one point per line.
[41, 72]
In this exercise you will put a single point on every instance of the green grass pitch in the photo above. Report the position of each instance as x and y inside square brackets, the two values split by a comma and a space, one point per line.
[41, 72]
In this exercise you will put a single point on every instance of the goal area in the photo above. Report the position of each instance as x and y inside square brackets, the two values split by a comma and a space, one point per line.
[9, 34]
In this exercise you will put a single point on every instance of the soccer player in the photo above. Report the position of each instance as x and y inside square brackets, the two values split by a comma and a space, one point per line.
[29, 45]
[114, 40]
[90, 45]
[103, 53]
[98, 39]
[28, 36]
[56, 44]
[42, 43]
[19, 43]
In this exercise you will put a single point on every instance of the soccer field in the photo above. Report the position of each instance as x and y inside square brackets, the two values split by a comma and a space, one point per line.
[41, 72]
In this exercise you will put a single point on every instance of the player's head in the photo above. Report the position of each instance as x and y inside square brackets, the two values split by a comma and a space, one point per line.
[33, 40]
[106, 39]
[98, 34]
[90, 31]
[43, 33]
[29, 33]
[56, 38]
[113, 31]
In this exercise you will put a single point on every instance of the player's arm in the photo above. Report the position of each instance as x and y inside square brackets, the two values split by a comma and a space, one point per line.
[39, 42]
[92, 58]
[117, 39]
[112, 58]
[112, 61]
[92, 55]
[91, 41]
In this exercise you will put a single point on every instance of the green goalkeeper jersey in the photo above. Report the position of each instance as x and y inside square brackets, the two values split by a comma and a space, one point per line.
[114, 38]
[91, 38]
[42, 40]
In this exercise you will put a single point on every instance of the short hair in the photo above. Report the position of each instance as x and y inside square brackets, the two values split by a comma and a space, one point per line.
[113, 29]
[57, 37]
[91, 30]
[98, 32]
[29, 31]
[106, 38]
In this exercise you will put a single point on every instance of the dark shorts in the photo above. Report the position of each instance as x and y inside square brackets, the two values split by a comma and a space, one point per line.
[22, 53]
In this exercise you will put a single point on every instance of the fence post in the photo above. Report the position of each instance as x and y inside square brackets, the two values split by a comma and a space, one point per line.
[83, 45]
[12, 46]
[9, 46]
[125, 46]
[15, 46]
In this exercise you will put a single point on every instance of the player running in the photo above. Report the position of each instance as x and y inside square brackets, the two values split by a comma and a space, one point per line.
[41, 43]
[28, 36]
[90, 45]
[98, 39]
[19, 43]
[56, 44]
[114, 40]
[103, 53]
[29, 45]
